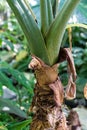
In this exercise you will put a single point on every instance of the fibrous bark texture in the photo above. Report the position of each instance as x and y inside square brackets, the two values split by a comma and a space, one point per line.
[47, 107]
[48, 97]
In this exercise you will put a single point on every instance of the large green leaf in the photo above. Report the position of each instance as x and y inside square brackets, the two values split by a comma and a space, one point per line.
[19, 76]
[6, 81]
[34, 37]
[9, 107]
[19, 125]
[6, 69]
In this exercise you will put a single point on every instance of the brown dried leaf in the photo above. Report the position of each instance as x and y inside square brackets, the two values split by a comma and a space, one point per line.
[44, 73]
[70, 90]
[65, 54]
[58, 92]
[85, 91]
[34, 64]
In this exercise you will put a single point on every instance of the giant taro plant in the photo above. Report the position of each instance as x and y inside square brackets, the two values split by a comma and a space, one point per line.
[44, 43]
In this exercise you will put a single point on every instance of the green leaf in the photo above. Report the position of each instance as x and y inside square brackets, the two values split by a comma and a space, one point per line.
[9, 107]
[2, 127]
[19, 76]
[34, 37]
[9, 44]
[5, 81]
[20, 125]
[56, 31]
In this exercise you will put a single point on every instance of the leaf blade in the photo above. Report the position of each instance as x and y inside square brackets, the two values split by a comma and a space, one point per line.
[20, 125]
[8, 106]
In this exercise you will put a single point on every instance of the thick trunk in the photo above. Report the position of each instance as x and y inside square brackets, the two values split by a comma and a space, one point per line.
[48, 98]
[47, 107]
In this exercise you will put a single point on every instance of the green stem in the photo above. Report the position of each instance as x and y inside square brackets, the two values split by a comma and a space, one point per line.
[50, 13]
[44, 16]
[56, 31]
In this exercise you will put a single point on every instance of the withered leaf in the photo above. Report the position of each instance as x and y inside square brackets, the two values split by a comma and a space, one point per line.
[58, 92]
[34, 64]
[70, 92]
[65, 54]
[44, 73]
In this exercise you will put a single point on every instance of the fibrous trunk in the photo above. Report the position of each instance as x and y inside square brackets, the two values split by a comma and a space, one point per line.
[48, 98]
[48, 112]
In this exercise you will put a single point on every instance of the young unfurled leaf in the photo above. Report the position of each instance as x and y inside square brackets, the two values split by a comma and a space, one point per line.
[65, 54]
[85, 91]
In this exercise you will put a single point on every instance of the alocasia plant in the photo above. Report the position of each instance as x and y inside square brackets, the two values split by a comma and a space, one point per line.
[45, 46]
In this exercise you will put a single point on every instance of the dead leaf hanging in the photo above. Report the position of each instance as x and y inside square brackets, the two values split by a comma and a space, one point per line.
[70, 92]
[65, 54]
[44, 73]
